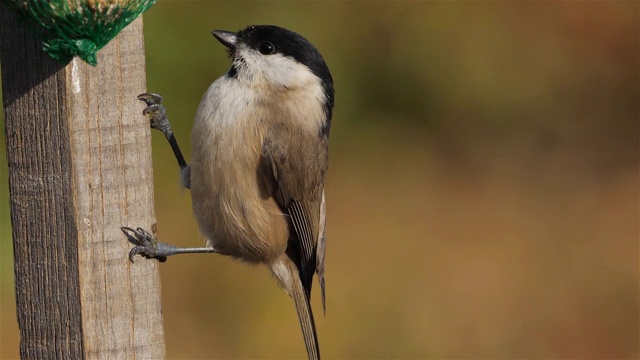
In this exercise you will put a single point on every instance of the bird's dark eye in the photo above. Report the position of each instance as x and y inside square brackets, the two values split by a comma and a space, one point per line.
[266, 48]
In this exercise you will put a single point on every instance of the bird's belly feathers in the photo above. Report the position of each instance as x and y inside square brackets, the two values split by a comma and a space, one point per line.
[230, 203]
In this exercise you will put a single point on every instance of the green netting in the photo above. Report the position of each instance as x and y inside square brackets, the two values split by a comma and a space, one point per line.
[71, 28]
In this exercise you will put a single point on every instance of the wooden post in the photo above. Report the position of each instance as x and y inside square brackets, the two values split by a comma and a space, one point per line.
[79, 156]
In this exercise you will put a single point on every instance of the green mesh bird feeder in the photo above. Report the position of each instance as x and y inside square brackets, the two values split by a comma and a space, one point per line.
[80, 28]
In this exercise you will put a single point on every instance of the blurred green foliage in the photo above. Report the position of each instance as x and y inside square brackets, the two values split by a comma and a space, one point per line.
[483, 186]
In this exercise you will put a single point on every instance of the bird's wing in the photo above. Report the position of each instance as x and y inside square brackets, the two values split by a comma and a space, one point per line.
[294, 175]
[322, 241]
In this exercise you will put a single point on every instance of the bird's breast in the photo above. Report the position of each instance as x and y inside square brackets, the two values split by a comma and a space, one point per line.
[229, 201]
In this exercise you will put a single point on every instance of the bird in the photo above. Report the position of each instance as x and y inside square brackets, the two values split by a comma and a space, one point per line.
[259, 159]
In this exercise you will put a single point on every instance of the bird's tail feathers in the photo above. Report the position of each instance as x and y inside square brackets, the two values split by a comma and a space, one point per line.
[292, 283]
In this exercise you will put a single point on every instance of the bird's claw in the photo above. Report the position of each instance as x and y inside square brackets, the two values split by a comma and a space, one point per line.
[156, 111]
[153, 109]
[150, 98]
[145, 244]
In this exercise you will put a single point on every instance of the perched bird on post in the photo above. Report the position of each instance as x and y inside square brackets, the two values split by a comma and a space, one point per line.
[259, 158]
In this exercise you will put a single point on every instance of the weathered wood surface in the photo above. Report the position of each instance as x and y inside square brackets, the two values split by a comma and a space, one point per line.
[79, 156]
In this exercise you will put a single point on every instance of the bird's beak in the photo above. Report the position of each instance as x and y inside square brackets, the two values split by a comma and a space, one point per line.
[227, 38]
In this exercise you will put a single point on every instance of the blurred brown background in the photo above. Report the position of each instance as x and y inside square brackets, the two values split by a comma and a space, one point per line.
[483, 192]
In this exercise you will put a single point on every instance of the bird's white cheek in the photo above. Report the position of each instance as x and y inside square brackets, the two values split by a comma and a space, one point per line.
[275, 70]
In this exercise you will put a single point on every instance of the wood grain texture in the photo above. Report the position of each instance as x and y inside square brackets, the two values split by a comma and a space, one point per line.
[43, 220]
[79, 157]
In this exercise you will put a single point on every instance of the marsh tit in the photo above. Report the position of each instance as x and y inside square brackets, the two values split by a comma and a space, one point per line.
[259, 160]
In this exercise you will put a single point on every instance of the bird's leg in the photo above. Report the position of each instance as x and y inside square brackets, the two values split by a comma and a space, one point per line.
[159, 121]
[149, 247]
[146, 244]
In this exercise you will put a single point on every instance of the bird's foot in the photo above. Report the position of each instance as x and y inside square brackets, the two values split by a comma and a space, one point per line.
[156, 111]
[147, 245]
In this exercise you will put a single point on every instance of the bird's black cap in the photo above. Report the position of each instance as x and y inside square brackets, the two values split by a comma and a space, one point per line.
[287, 43]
